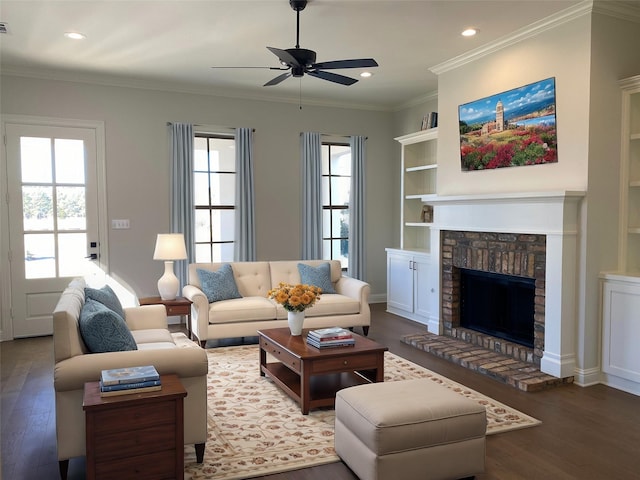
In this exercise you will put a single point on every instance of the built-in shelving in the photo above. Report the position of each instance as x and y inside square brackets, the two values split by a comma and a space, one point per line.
[418, 181]
[629, 244]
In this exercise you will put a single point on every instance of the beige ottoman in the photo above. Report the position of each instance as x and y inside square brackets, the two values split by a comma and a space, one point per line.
[410, 429]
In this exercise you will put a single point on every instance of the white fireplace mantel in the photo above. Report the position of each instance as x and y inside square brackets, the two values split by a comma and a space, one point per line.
[555, 214]
[533, 212]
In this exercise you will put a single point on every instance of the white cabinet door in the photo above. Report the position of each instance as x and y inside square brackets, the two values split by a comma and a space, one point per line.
[621, 330]
[400, 282]
[421, 286]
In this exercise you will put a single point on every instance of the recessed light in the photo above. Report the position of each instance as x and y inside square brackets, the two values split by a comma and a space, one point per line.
[366, 74]
[469, 32]
[75, 35]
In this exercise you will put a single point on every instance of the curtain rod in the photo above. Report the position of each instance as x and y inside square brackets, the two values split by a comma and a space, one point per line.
[339, 135]
[214, 126]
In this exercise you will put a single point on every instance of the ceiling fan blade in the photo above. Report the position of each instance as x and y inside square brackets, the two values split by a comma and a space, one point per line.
[332, 77]
[268, 68]
[354, 63]
[284, 56]
[277, 80]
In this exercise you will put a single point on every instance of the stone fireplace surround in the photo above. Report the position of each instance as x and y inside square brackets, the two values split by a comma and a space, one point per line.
[518, 217]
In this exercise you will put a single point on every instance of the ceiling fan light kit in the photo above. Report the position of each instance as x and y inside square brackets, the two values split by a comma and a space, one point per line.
[300, 61]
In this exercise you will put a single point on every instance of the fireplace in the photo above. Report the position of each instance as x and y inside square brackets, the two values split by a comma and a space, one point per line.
[494, 283]
[532, 235]
[499, 305]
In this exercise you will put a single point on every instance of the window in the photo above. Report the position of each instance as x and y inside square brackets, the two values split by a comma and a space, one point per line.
[336, 184]
[214, 185]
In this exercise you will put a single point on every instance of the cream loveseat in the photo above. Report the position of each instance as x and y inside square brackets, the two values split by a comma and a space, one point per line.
[243, 317]
[74, 366]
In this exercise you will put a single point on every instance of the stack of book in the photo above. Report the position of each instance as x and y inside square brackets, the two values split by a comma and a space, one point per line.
[123, 381]
[330, 337]
[429, 121]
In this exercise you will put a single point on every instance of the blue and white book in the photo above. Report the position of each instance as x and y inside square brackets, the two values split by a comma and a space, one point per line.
[128, 386]
[119, 376]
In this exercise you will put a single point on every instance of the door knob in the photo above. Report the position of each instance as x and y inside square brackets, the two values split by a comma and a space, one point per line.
[93, 256]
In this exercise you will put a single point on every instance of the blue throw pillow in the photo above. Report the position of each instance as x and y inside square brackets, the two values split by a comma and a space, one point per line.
[103, 330]
[105, 296]
[319, 276]
[219, 285]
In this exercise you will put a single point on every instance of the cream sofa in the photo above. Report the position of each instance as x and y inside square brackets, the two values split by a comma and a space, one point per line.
[74, 366]
[243, 317]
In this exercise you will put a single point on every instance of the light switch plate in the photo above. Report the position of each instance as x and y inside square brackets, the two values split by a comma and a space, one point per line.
[122, 224]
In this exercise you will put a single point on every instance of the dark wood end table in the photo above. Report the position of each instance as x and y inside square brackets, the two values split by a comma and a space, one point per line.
[312, 376]
[139, 435]
[180, 306]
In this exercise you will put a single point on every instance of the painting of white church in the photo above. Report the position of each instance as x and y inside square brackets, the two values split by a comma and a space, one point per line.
[509, 129]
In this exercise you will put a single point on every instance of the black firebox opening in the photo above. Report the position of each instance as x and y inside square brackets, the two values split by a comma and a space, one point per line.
[498, 305]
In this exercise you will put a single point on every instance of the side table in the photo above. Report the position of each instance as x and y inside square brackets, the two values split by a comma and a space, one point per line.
[179, 306]
[137, 436]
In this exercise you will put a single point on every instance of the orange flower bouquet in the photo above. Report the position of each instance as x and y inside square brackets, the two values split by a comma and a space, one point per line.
[295, 298]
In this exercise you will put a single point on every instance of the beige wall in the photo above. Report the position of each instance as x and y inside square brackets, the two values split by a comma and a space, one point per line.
[137, 163]
[562, 53]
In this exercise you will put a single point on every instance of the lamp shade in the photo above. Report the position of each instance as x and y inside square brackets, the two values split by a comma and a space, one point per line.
[170, 246]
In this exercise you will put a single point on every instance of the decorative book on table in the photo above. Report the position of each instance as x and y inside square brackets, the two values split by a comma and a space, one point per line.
[120, 376]
[129, 388]
[330, 337]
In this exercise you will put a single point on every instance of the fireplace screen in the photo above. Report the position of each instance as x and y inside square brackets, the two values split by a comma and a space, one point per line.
[498, 305]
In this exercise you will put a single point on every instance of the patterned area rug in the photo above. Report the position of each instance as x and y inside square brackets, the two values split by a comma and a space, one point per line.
[256, 429]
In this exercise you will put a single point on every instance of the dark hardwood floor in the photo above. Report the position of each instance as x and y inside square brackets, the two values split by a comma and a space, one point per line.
[587, 433]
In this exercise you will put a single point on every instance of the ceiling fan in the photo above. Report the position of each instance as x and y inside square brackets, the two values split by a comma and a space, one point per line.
[298, 61]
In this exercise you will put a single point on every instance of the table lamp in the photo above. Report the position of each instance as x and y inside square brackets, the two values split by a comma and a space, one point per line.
[169, 247]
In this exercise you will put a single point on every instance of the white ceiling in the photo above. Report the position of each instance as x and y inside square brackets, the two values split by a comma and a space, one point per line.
[173, 44]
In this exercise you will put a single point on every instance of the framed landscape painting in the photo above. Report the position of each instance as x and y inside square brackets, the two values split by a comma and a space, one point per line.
[509, 129]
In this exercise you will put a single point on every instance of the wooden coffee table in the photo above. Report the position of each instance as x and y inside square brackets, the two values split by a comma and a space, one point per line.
[312, 376]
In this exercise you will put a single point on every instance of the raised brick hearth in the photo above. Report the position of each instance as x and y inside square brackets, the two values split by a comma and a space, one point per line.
[484, 359]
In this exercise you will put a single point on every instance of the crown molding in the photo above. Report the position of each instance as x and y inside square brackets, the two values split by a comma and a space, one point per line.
[629, 82]
[618, 9]
[553, 21]
[173, 87]
[417, 101]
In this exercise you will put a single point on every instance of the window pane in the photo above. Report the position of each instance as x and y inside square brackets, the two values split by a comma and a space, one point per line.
[324, 185]
[340, 187]
[202, 226]
[200, 158]
[226, 252]
[340, 223]
[201, 188]
[37, 208]
[69, 160]
[71, 208]
[324, 151]
[326, 250]
[326, 222]
[223, 189]
[39, 256]
[35, 158]
[203, 253]
[341, 252]
[340, 160]
[72, 248]
[223, 224]
[222, 152]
